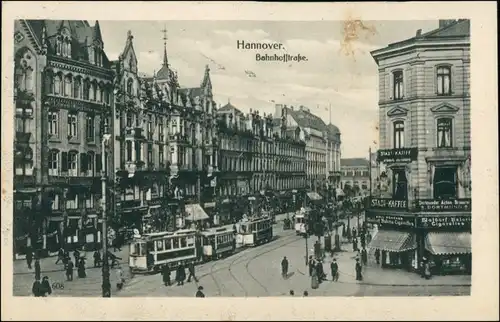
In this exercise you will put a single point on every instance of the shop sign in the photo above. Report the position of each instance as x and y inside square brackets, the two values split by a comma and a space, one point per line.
[387, 203]
[389, 156]
[444, 221]
[444, 205]
[390, 219]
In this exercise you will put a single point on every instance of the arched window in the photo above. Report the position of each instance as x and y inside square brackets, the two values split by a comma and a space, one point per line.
[69, 48]
[77, 87]
[54, 167]
[92, 92]
[68, 85]
[130, 85]
[86, 89]
[59, 45]
[129, 150]
[444, 132]
[49, 82]
[444, 80]
[57, 84]
[399, 133]
[98, 93]
[24, 70]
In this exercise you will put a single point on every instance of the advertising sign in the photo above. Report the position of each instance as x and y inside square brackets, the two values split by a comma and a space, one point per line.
[444, 221]
[444, 205]
[397, 155]
[390, 219]
[387, 203]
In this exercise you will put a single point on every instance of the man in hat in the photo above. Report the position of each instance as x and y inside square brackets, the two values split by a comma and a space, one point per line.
[334, 267]
[199, 293]
[359, 277]
[284, 267]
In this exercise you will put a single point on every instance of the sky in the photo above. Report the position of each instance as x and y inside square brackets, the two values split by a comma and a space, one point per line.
[339, 75]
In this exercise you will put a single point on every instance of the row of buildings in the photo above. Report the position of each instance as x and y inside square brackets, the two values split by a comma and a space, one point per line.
[169, 155]
[422, 201]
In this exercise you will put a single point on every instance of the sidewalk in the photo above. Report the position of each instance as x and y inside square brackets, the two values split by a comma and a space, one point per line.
[375, 275]
[48, 264]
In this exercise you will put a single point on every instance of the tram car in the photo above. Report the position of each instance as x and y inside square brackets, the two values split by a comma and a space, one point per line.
[300, 223]
[217, 242]
[150, 252]
[255, 231]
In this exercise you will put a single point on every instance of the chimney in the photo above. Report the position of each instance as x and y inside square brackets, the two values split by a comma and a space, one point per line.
[419, 33]
[446, 22]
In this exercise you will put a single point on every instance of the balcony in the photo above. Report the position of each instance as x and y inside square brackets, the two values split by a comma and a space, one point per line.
[23, 137]
[73, 180]
[73, 103]
[24, 180]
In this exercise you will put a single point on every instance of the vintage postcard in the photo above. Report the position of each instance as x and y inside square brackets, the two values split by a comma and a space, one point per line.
[275, 152]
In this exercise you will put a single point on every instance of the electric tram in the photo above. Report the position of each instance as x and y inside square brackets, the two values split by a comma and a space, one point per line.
[217, 242]
[149, 252]
[255, 231]
[300, 223]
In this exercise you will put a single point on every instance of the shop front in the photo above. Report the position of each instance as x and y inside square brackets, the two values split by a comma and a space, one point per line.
[446, 242]
[53, 238]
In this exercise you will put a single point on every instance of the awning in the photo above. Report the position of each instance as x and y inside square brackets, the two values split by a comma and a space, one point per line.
[314, 196]
[443, 243]
[393, 241]
[195, 212]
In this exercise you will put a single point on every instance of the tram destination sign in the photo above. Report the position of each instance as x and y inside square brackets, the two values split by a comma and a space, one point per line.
[390, 219]
[444, 205]
[397, 155]
[444, 221]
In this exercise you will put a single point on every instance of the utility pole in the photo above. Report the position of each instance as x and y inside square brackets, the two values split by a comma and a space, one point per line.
[106, 285]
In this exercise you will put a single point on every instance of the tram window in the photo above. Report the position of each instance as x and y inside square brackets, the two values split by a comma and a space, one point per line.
[183, 242]
[168, 243]
[205, 240]
[134, 249]
[159, 245]
[243, 228]
[176, 242]
[142, 249]
[150, 247]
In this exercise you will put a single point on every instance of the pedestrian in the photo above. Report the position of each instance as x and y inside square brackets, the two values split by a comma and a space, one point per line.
[306, 294]
[320, 271]
[364, 256]
[427, 270]
[69, 270]
[354, 244]
[292, 293]
[29, 257]
[359, 276]
[334, 267]
[76, 255]
[311, 265]
[38, 270]
[284, 267]
[97, 258]
[354, 235]
[368, 238]
[81, 269]
[314, 279]
[199, 293]
[36, 289]
[120, 278]
[60, 255]
[180, 274]
[45, 288]
[363, 240]
[191, 272]
[166, 274]
[377, 256]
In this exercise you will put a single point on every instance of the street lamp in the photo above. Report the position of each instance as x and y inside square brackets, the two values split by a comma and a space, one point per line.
[106, 285]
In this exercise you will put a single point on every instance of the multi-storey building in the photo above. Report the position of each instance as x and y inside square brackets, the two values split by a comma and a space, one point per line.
[63, 85]
[425, 144]
[316, 138]
[355, 176]
[333, 160]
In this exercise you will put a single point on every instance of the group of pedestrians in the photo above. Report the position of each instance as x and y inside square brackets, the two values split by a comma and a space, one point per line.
[180, 274]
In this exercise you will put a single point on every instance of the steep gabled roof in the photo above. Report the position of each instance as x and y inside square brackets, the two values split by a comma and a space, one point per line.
[228, 108]
[354, 162]
[306, 119]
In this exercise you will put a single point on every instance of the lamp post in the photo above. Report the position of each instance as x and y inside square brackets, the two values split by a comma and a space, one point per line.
[106, 285]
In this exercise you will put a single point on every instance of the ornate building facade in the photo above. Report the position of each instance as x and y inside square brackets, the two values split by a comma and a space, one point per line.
[355, 176]
[63, 98]
[424, 181]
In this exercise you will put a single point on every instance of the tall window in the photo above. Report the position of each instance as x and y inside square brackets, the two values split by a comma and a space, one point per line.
[77, 87]
[23, 115]
[444, 81]
[445, 182]
[130, 86]
[399, 132]
[71, 200]
[160, 129]
[24, 71]
[93, 90]
[150, 154]
[57, 84]
[86, 89]
[129, 119]
[54, 163]
[53, 123]
[400, 184]
[129, 150]
[90, 128]
[68, 85]
[98, 96]
[161, 159]
[72, 125]
[150, 127]
[90, 163]
[398, 84]
[73, 163]
[444, 132]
